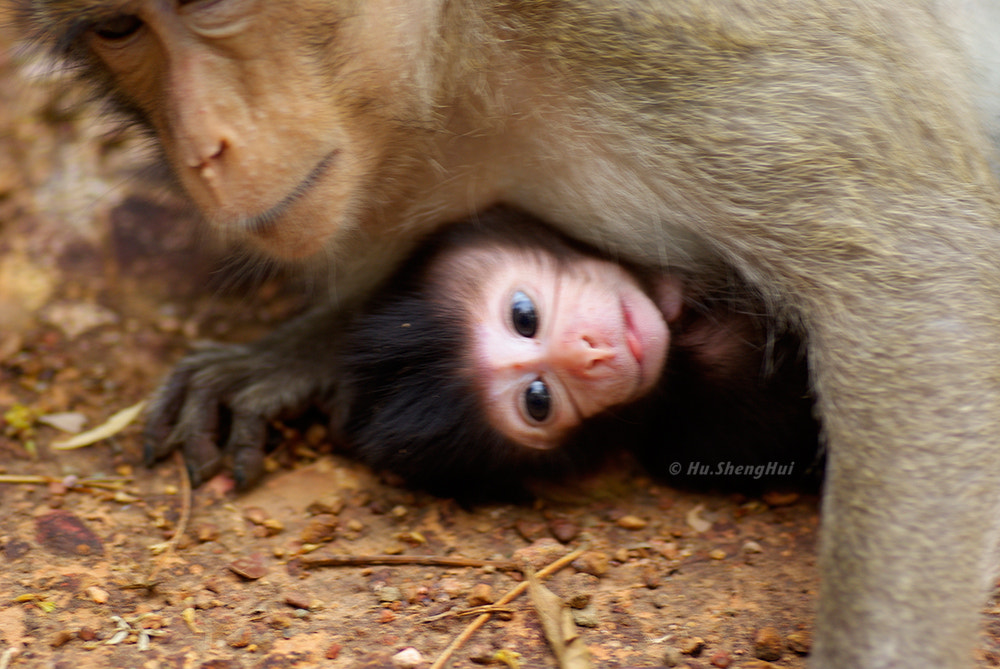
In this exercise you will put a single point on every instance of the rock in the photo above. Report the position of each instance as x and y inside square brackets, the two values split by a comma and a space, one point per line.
[321, 528]
[692, 646]
[632, 523]
[564, 530]
[594, 563]
[799, 642]
[775, 498]
[768, 644]
[481, 595]
[389, 593]
[328, 504]
[721, 659]
[408, 658]
[587, 616]
[540, 553]
[250, 567]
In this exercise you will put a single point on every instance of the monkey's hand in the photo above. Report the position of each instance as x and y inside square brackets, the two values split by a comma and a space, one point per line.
[217, 402]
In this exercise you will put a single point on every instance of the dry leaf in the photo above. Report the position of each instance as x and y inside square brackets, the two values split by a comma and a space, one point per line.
[557, 622]
[696, 522]
[69, 421]
[109, 428]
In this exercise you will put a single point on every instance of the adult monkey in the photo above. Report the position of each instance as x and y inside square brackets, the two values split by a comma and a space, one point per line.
[826, 149]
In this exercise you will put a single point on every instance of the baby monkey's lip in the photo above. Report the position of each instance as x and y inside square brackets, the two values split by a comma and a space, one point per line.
[632, 339]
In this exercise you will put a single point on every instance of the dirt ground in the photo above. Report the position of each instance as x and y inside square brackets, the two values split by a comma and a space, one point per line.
[104, 283]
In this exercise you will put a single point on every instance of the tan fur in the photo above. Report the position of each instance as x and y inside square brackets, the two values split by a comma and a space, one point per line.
[829, 150]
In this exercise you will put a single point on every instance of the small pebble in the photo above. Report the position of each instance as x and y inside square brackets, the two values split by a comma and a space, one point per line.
[320, 529]
[97, 595]
[768, 644]
[586, 617]
[752, 547]
[255, 515]
[530, 530]
[540, 553]
[249, 567]
[273, 526]
[240, 638]
[297, 600]
[408, 658]
[667, 549]
[331, 504]
[775, 498]
[480, 654]
[799, 642]
[61, 638]
[279, 621]
[692, 646]
[389, 593]
[453, 587]
[481, 595]
[564, 530]
[717, 554]
[652, 576]
[632, 523]
[594, 563]
[207, 532]
[721, 659]
[672, 657]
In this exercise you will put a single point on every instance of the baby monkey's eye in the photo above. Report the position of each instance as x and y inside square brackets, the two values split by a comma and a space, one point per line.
[537, 400]
[118, 27]
[523, 315]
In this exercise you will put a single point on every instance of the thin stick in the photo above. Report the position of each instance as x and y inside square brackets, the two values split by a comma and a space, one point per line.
[422, 560]
[167, 547]
[474, 611]
[467, 633]
[26, 479]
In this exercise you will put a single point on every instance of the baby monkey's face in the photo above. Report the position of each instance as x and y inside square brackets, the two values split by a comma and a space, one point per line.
[556, 342]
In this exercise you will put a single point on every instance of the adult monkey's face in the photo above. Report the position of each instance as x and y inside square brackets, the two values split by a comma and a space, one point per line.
[275, 116]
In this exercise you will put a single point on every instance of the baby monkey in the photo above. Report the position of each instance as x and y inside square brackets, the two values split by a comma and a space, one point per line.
[503, 350]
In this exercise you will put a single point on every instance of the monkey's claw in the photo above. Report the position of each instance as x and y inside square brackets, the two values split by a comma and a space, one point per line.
[217, 402]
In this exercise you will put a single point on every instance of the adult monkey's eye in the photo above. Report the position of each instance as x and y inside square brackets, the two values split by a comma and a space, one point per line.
[523, 315]
[537, 400]
[118, 27]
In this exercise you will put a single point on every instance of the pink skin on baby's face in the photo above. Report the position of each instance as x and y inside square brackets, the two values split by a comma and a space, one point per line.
[556, 343]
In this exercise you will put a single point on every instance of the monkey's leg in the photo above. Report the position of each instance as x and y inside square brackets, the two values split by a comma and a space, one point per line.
[911, 510]
[247, 384]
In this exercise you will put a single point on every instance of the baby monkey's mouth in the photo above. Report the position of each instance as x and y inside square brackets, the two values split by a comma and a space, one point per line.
[631, 336]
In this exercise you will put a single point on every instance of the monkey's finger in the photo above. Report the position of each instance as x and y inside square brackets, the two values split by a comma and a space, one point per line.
[161, 416]
[245, 447]
[197, 435]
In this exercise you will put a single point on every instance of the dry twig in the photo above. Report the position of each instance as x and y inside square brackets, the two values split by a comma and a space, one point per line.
[162, 550]
[467, 633]
[421, 560]
[70, 482]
